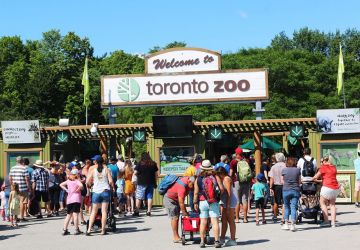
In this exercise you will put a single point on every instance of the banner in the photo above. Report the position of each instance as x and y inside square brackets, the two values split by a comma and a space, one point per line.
[139, 90]
[338, 121]
[345, 191]
[18, 132]
[175, 160]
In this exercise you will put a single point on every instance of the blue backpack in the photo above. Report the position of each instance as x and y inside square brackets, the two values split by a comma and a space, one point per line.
[166, 183]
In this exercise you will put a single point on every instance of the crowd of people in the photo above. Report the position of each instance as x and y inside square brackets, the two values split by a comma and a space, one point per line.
[219, 193]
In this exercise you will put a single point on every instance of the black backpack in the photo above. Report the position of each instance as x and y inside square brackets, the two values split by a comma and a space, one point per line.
[308, 168]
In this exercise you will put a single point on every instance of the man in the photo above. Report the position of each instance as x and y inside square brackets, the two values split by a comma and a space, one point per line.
[174, 202]
[40, 184]
[19, 174]
[309, 161]
[241, 188]
[30, 170]
[113, 169]
[223, 163]
[276, 185]
[357, 182]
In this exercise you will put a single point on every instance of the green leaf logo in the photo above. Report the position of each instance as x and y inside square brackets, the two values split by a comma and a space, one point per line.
[128, 89]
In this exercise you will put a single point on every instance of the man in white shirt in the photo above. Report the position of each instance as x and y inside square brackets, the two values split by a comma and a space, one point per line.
[307, 157]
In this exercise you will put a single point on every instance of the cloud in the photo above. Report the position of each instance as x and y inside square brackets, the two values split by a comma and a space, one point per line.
[243, 14]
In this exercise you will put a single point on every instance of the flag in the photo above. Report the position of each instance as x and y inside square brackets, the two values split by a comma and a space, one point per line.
[85, 83]
[341, 70]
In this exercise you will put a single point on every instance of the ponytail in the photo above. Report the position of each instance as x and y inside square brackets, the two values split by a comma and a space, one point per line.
[100, 164]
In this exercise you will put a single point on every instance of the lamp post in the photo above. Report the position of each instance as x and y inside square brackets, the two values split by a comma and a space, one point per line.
[112, 120]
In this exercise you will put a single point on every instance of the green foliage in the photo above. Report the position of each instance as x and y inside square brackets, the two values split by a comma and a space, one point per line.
[42, 79]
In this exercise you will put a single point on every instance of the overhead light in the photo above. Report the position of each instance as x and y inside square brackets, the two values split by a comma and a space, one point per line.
[93, 130]
[64, 122]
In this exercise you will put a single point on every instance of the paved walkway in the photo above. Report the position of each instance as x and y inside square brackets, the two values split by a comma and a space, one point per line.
[154, 233]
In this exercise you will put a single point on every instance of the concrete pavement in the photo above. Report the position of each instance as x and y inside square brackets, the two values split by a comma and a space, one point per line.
[154, 233]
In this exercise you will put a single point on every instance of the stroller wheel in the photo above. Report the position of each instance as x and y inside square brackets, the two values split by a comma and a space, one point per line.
[183, 240]
[299, 218]
[191, 236]
[87, 224]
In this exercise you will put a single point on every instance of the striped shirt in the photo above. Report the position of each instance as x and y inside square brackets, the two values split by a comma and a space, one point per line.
[41, 177]
[19, 174]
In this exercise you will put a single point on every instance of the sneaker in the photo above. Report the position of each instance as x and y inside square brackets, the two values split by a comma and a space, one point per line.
[65, 232]
[222, 241]
[230, 243]
[285, 227]
[129, 214]
[39, 216]
[292, 228]
[148, 214]
[264, 222]
[217, 244]
[136, 213]
[77, 232]
[357, 204]
[257, 223]
[324, 224]
[202, 244]
[333, 225]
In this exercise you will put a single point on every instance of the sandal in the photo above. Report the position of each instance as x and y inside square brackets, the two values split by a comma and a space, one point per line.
[245, 221]
[104, 233]
[257, 223]
[177, 241]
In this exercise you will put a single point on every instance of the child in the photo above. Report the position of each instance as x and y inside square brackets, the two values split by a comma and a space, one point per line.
[120, 183]
[258, 190]
[14, 204]
[129, 187]
[73, 188]
[3, 203]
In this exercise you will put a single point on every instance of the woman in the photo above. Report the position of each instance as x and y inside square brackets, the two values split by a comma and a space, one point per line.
[329, 190]
[147, 173]
[84, 172]
[229, 200]
[207, 209]
[54, 188]
[100, 177]
[291, 179]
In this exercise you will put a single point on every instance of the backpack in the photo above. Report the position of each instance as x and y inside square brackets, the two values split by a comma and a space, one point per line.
[308, 168]
[210, 189]
[244, 171]
[167, 183]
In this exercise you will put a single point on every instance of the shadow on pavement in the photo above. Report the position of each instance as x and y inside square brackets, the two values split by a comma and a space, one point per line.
[348, 212]
[252, 242]
[348, 224]
[5, 237]
[130, 222]
[122, 230]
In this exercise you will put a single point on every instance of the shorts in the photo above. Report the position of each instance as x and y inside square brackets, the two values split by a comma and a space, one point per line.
[144, 192]
[62, 195]
[236, 188]
[328, 193]
[357, 185]
[172, 207]
[207, 210]
[278, 197]
[103, 197]
[260, 203]
[121, 198]
[73, 208]
[24, 197]
[244, 193]
[42, 195]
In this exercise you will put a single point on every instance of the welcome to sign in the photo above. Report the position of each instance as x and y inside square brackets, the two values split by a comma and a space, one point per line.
[228, 86]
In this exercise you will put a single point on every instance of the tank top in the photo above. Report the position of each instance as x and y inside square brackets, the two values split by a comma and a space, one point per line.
[224, 197]
[101, 181]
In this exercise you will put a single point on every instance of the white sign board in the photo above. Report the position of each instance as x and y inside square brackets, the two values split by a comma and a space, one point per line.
[338, 121]
[182, 60]
[18, 132]
[234, 86]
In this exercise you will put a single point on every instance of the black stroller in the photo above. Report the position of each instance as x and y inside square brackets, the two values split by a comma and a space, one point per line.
[110, 220]
[309, 203]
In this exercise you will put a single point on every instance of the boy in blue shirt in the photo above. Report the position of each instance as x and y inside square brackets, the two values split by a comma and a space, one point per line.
[259, 190]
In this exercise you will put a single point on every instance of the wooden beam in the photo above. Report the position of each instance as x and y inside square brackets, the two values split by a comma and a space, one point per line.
[257, 144]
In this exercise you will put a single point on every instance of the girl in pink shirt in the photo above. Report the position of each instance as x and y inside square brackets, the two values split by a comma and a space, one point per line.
[73, 188]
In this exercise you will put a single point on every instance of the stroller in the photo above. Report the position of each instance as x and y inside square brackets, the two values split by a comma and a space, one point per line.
[110, 220]
[309, 203]
[191, 225]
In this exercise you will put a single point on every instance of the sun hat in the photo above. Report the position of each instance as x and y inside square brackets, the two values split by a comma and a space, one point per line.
[39, 163]
[238, 151]
[74, 172]
[206, 165]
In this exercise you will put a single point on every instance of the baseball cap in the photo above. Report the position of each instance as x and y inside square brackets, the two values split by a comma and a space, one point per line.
[238, 151]
[96, 158]
[260, 177]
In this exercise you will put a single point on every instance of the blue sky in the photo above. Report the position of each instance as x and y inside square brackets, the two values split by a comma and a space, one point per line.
[135, 26]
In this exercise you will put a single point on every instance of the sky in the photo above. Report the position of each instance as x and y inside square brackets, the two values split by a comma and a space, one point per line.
[136, 26]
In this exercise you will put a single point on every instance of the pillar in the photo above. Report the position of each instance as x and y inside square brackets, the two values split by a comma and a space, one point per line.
[257, 145]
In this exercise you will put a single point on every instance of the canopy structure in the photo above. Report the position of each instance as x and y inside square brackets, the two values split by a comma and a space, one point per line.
[266, 143]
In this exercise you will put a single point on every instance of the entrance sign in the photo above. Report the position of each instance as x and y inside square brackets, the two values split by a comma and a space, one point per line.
[297, 131]
[62, 137]
[232, 86]
[18, 132]
[182, 60]
[175, 160]
[215, 133]
[338, 121]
